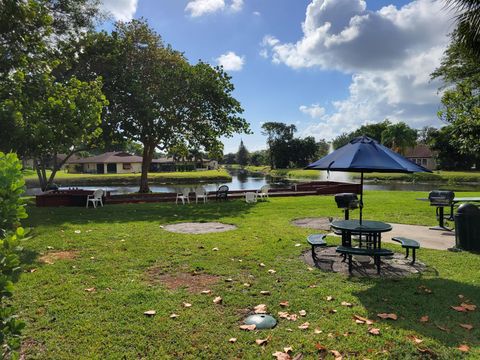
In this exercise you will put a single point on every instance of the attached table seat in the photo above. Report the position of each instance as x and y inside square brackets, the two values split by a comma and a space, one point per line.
[316, 240]
[407, 244]
[375, 253]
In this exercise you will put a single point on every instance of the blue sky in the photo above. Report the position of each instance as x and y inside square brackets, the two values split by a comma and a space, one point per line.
[327, 66]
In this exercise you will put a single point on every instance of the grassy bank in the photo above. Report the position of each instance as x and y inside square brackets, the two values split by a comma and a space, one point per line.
[67, 179]
[436, 176]
[94, 272]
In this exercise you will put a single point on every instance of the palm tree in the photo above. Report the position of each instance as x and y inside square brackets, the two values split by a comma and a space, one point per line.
[399, 137]
[468, 17]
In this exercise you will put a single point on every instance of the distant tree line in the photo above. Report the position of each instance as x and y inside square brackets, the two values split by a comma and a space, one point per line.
[284, 149]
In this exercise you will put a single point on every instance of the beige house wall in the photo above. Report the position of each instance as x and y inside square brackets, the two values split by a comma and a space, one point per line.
[134, 168]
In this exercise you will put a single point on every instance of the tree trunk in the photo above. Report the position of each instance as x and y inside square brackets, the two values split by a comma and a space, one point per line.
[41, 178]
[148, 150]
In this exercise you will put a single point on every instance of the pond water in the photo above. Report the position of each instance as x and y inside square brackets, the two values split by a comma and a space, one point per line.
[244, 181]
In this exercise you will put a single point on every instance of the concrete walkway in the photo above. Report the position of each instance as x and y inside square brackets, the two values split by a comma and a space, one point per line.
[430, 239]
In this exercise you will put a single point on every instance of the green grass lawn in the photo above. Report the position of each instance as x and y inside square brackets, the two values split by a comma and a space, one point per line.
[115, 249]
[65, 178]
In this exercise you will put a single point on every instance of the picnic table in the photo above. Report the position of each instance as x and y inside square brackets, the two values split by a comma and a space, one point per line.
[372, 230]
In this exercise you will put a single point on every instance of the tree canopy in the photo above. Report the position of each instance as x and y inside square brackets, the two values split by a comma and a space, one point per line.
[156, 97]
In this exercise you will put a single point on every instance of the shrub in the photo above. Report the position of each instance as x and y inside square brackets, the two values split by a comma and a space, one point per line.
[12, 210]
[12, 187]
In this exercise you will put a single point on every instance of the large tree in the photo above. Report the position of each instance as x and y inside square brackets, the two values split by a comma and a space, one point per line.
[278, 137]
[156, 97]
[43, 109]
[399, 137]
[242, 155]
[460, 72]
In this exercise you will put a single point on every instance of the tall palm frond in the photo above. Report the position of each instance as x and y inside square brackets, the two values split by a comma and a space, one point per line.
[468, 18]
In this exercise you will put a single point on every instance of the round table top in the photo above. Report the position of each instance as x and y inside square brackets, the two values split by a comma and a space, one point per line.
[367, 225]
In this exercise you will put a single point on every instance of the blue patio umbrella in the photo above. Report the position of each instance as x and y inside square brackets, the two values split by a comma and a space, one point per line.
[365, 155]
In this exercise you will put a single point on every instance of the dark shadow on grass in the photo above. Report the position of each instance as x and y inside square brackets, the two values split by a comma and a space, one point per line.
[124, 213]
[414, 297]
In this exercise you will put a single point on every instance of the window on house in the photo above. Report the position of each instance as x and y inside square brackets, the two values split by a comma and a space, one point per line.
[424, 161]
[127, 166]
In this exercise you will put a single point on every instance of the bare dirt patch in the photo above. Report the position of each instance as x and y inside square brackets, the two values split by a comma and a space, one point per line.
[31, 347]
[320, 223]
[194, 283]
[52, 256]
[199, 228]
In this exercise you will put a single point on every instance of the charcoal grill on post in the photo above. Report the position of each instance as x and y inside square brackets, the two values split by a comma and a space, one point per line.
[442, 199]
[347, 202]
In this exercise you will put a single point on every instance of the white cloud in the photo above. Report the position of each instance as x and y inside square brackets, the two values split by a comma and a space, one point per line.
[389, 53]
[315, 111]
[236, 5]
[197, 8]
[257, 13]
[231, 61]
[122, 10]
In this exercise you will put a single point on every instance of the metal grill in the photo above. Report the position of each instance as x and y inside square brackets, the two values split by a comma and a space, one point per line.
[347, 202]
[441, 198]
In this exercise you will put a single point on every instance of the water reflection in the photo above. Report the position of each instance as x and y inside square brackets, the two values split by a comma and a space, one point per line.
[242, 180]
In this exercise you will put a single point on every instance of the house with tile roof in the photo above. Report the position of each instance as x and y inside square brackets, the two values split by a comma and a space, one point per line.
[119, 162]
[422, 155]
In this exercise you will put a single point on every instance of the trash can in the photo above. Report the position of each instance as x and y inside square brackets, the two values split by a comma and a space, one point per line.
[467, 227]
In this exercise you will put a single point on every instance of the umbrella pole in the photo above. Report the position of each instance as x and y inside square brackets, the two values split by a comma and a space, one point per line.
[361, 197]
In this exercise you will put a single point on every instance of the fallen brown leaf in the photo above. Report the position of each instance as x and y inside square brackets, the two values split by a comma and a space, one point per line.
[442, 328]
[92, 289]
[424, 319]
[317, 331]
[347, 304]
[298, 357]
[262, 341]
[271, 271]
[284, 304]
[206, 292]
[217, 300]
[332, 311]
[150, 313]
[283, 314]
[428, 352]
[329, 298]
[388, 316]
[187, 305]
[374, 331]
[468, 307]
[173, 316]
[320, 347]
[361, 320]
[264, 292]
[292, 317]
[232, 340]
[336, 355]
[261, 264]
[415, 339]
[260, 309]
[304, 326]
[248, 327]
[287, 349]
[467, 326]
[459, 308]
[281, 355]
[464, 348]
[302, 313]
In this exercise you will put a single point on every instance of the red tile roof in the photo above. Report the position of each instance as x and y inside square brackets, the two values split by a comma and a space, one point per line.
[419, 151]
